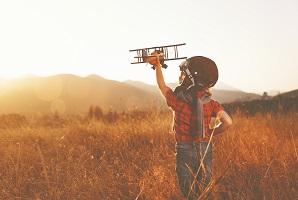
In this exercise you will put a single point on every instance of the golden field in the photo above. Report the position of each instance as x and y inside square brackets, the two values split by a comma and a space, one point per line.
[132, 156]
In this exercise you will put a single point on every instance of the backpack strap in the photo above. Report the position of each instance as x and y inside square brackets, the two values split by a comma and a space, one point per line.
[186, 96]
[200, 114]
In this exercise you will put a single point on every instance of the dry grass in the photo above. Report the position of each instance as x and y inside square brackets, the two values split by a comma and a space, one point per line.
[134, 158]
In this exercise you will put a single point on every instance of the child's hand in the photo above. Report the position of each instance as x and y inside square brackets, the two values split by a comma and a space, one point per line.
[154, 60]
[214, 123]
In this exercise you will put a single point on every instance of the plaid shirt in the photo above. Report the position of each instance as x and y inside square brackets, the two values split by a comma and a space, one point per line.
[185, 122]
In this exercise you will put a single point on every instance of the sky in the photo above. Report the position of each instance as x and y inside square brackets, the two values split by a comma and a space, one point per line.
[254, 43]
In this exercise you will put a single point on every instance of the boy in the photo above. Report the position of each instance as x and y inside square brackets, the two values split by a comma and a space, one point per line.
[192, 109]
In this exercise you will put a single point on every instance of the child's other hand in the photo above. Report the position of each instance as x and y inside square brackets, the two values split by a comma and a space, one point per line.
[214, 123]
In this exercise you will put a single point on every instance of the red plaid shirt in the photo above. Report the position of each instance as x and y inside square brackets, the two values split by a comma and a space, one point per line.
[185, 117]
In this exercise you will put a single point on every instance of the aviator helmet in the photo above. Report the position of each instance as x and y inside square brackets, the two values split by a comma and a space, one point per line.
[199, 70]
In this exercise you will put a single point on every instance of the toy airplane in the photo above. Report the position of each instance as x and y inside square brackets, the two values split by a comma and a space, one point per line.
[163, 52]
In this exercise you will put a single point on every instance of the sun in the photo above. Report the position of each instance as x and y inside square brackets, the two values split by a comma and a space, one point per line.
[12, 73]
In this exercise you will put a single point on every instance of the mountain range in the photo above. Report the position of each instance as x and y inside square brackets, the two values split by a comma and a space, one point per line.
[66, 93]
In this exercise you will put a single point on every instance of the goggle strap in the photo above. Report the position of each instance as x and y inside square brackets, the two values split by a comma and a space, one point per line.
[189, 75]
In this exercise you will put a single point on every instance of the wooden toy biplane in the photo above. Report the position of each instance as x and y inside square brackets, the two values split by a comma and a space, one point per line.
[163, 53]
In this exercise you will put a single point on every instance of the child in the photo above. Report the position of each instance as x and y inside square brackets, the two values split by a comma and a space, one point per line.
[193, 109]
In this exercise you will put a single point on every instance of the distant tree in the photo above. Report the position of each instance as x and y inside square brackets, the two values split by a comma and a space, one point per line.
[109, 116]
[115, 115]
[265, 96]
[98, 114]
[91, 112]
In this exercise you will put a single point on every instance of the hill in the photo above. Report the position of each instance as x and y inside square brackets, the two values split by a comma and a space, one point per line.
[222, 96]
[67, 93]
[291, 94]
[282, 103]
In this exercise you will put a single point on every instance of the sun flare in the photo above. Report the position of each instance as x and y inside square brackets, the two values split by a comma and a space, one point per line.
[11, 73]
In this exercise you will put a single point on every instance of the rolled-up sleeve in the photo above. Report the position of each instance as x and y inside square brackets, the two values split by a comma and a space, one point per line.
[171, 98]
[216, 107]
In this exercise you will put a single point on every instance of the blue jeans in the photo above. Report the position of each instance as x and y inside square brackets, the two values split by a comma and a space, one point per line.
[188, 160]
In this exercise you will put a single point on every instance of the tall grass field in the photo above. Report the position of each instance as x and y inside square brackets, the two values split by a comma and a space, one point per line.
[132, 156]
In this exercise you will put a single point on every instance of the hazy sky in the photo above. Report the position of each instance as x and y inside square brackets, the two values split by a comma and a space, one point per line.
[254, 43]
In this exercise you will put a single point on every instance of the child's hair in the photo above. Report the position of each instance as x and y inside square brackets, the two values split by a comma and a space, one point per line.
[206, 90]
[194, 89]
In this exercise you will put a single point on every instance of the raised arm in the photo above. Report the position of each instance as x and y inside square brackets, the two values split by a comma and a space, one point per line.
[160, 81]
[159, 76]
